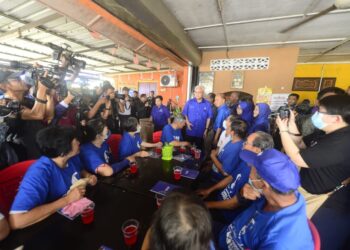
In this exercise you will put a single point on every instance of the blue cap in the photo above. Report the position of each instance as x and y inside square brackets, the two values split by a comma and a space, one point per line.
[275, 168]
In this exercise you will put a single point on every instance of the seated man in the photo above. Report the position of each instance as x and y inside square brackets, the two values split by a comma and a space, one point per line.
[95, 153]
[44, 187]
[172, 133]
[228, 159]
[278, 219]
[228, 188]
[4, 227]
[131, 142]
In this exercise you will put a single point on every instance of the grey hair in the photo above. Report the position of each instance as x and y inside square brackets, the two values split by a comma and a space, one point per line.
[199, 87]
[179, 118]
[263, 141]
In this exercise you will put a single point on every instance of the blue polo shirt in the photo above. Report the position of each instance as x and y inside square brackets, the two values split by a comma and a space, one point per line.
[229, 158]
[92, 156]
[160, 116]
[45, 182]
[197, 113]
[223, 113]
[129, 145]
[170, 134]
[256, 229]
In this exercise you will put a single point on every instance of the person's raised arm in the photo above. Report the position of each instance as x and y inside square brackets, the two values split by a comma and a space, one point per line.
[38, 110]
[21, 220]
[294, 131]
[50, 108]
[288, 144]
[92, 112]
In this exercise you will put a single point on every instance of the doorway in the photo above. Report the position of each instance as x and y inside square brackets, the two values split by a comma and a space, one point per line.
[147, 87]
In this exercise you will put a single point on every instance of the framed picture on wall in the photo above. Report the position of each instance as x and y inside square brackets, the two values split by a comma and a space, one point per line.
[306, 84]
[328, 82]
[237, 80]
[206, 79]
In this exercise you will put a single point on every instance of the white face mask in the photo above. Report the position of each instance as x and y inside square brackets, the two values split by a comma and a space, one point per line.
[138, 130]
[224, 125]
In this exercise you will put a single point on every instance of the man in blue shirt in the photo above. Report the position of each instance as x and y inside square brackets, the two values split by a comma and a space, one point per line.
[160, 114]
[198, 113]
[226, 200]
[278, 219]
[172, 133]
[223, 113]
[228, 159]
[45, 187]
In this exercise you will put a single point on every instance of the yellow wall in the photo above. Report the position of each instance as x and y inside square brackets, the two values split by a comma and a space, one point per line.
[340, 71]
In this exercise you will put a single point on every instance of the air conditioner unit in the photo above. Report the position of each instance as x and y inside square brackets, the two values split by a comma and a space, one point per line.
[168, 81]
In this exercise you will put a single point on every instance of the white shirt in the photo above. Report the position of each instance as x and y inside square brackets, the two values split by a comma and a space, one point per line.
[223, 140]
[127, 107]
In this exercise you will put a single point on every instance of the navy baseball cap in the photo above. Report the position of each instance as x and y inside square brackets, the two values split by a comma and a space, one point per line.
[275, 168]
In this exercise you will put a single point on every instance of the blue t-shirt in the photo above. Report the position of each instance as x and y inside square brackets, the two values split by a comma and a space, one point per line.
[160, 116]
[257, 229]
[229, 158]
[45, 182]
[240, 177]
[170, 134]
[92, 156]
[129, 145]
[197, 113]
[223, 113]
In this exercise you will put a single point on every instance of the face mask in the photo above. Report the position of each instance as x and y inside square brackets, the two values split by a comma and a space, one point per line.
[224, 125]
[107, 136]
[317, 120]
[138, 130]
[259, 190]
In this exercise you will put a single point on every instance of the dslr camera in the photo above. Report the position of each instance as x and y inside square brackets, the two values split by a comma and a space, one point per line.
[284, 112]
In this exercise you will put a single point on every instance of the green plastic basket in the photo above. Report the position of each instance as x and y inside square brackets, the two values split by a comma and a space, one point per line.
[167, 152]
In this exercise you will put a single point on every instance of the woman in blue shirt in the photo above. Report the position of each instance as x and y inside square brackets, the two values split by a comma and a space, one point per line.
[261, 121]
[45, 186]
[96, 154]
[160, 114]
[131, 142]
[245, 110]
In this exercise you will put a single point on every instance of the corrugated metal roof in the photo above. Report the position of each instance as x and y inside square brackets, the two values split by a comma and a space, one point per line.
[30, 45]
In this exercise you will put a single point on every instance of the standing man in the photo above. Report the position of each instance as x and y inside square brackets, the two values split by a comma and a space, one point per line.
[151, 99]
[223, 113]
[233, 101]
[198, 114]
[160, 114]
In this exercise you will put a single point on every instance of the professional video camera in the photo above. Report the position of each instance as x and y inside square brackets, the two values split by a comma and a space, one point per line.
[56, 74]
[10, 107]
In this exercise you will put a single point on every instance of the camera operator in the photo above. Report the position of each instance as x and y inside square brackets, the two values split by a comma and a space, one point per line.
[151, 99]
[126, 102]
[108, 106]
[143, 109]
[23, 119]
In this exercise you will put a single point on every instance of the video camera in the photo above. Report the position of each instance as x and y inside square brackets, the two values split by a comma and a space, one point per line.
[11, 107]
[69, 56]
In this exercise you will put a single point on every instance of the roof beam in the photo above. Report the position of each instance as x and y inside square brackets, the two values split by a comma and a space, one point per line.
[67, 39]
[265, 19]
[341, 43]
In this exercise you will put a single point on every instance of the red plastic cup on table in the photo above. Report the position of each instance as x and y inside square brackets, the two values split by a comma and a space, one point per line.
[133, 168]
[182, 150]
[197, 154]
[158, 150]
[88, 214]
[159, 199]
[177, 173]
[130, 229]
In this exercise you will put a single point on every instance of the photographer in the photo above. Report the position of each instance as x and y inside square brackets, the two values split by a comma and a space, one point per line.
[143, 109]
[21, 119]
[125, 113]
[108, 106]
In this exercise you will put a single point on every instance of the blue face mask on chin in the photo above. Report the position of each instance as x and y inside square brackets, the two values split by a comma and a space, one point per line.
[317, 120]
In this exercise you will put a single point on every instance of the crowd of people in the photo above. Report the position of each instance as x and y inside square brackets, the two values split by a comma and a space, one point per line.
[264, 173]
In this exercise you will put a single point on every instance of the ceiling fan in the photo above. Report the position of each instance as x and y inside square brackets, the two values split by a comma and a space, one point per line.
[338, 4]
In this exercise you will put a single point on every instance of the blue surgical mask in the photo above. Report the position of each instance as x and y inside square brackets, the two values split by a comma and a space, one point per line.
[317, 120]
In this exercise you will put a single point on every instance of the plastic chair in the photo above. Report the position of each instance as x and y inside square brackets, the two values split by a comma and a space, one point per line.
[10, 178]
[156, 136]
[315, 235]
[113, 142]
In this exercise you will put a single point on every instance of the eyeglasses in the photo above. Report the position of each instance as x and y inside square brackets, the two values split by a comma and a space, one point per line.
[250, 182]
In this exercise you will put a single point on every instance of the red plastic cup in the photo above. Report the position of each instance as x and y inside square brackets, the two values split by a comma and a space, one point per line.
[130, 230]
[197, 154]
[87, 216]
[177, 173]
[182, 150]
[159, 199]
[133, 168]
[158, 150]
